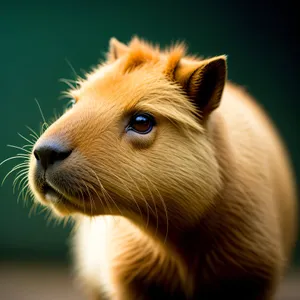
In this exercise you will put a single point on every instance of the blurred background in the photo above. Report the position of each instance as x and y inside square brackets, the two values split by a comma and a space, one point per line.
[42, 42]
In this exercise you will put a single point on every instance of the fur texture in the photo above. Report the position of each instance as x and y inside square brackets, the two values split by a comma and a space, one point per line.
[201, 207]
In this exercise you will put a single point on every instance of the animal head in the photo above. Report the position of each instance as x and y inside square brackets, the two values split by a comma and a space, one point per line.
[135, 142]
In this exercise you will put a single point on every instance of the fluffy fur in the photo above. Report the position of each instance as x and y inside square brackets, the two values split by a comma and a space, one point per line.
[202, 207]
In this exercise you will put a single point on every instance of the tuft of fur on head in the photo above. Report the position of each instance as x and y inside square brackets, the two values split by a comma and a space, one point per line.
[173, 58]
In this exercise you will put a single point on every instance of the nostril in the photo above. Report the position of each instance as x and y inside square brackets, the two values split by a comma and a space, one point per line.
[63, 155]
[48, 154]
[36, 155]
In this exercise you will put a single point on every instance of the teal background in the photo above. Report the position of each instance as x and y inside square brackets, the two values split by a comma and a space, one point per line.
[38, 38]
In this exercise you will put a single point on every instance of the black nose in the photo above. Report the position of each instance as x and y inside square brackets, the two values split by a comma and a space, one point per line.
[48, 154]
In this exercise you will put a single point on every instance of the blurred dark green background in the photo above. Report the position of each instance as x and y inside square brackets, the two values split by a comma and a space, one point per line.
[37, 39]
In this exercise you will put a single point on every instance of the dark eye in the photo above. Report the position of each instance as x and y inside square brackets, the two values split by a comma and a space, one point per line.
[141, 123]
[71, 103]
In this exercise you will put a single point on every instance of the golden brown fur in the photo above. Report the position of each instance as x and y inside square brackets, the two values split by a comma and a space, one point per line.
[202, 207]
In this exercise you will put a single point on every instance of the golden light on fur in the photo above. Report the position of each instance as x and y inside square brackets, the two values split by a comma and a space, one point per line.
[199, 205]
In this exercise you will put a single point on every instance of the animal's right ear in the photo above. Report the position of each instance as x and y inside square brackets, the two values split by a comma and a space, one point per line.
[116, 49]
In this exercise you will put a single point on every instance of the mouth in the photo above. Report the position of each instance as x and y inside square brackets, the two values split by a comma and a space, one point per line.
[52, 194]
[58, 199]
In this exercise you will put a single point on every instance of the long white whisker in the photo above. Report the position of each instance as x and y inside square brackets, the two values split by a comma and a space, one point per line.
[10, 158]
[34, 137]
[23, 171]
[40, 109]
[22, 190]
[27, 140]
[24, 155]
[11, 171]
[29, 194]
[44, 127]
[34, 134]
[20, 148]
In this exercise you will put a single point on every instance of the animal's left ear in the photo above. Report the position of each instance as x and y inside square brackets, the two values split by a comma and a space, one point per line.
[203, 82]
[116, 49]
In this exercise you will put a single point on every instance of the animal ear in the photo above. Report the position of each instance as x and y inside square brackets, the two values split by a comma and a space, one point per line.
[203, 82]
[116, 49]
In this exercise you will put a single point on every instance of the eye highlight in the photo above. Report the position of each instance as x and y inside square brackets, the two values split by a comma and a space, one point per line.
[141, 123]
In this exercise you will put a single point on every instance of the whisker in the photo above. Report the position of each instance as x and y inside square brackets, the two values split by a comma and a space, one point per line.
[69, 80]
[33, 132]
[27, 140]
[29, 195]
[21, 173]
[142, 195]
[13, 157]
[65, 95]
[105, 194]
[43, 209]
[21, 192]
[49, 216]
[153, 201]
[33, 209]
[167, 216]
[93, 204]
[44, 127]
[82, 198]
[34, 137]
[72, 68]
[136, 203]
[56, 115]
[165, 210]
[11, 171]
[163, 204]
[27, 146]
[23, 180]
[20, 148]
[24, 155]
[112, 200]
[40, 109]
[89, 197]
[103, 191]
[68, 83]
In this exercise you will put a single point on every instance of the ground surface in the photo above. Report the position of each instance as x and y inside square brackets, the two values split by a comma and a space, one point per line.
[47, 282]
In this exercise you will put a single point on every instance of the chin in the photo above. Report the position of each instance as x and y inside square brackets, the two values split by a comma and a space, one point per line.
[61, 204]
